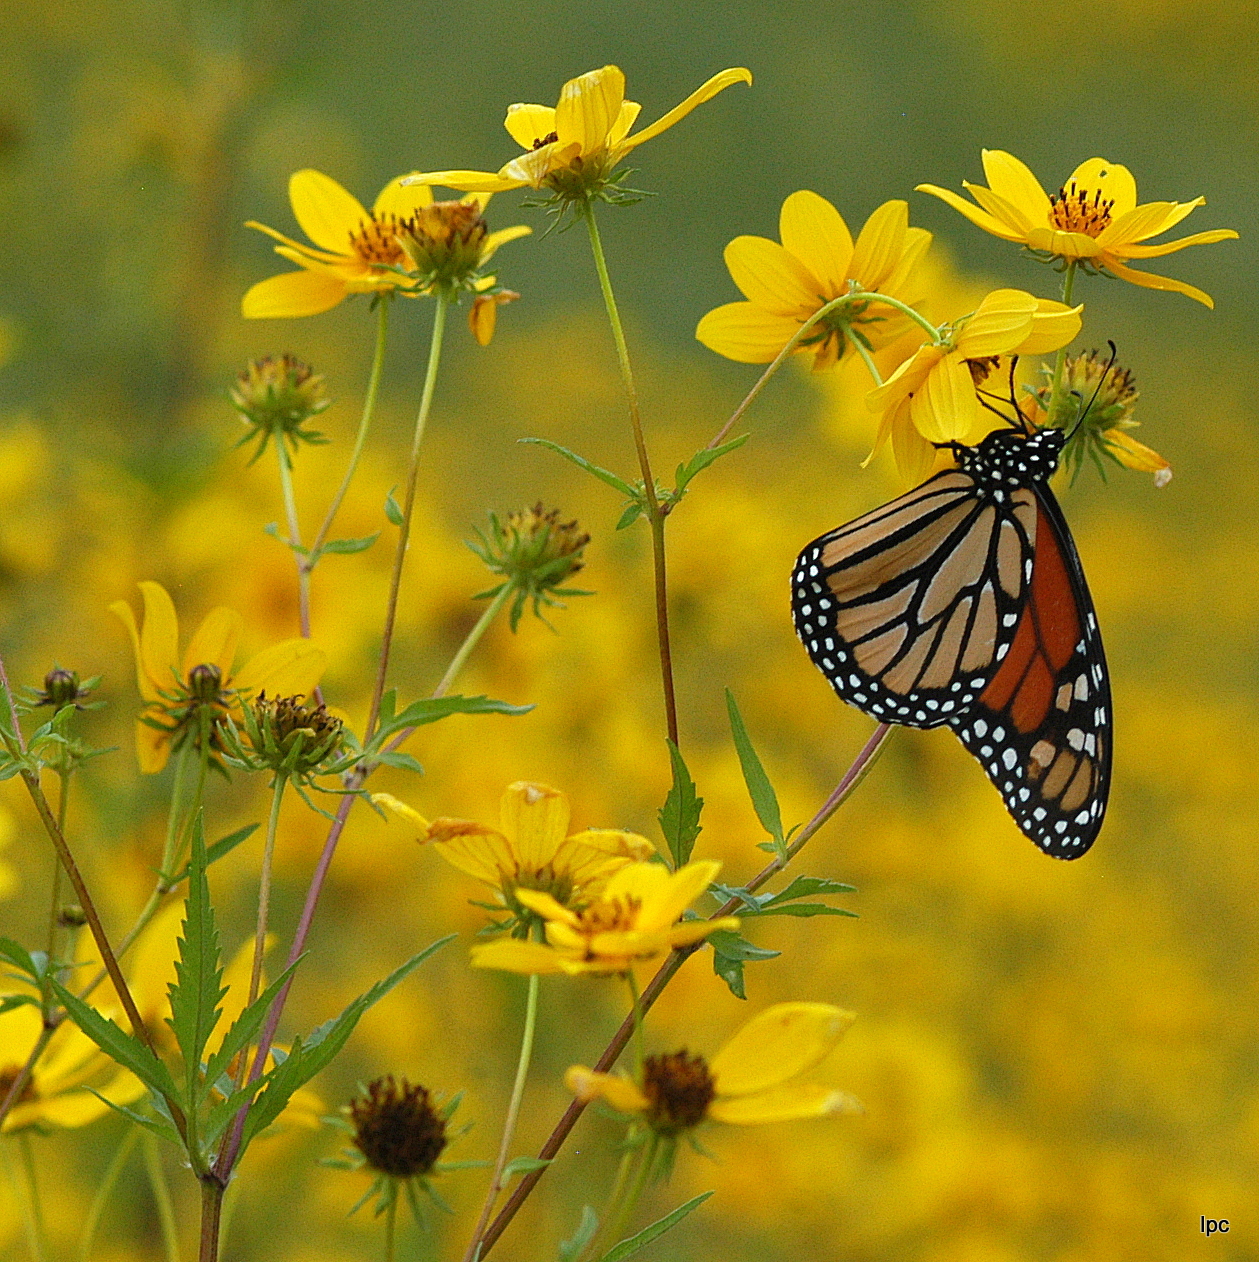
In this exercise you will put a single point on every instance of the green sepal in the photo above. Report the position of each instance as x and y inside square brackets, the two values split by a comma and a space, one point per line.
[572, 1248]
[393, 509]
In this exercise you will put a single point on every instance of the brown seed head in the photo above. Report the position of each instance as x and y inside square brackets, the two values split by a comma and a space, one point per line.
[444, 241]
[397, 1129]
[679, 1088]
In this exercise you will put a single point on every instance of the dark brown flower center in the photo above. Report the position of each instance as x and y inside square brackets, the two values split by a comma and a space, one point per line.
[376, 241]
[397, 1129]
[679, 1088]
[549, 139]
[1071, 209]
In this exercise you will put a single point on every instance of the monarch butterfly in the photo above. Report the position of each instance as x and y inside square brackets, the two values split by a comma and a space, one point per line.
[963, 602]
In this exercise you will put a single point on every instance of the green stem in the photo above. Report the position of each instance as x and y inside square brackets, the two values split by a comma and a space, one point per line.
[614, 1198]
[1060, 363]
[37, 1232]
[63, 803]
[161, 1196]
[391, 1220]
[905, 309]
[211, 1215]
[617, 1225]
[295, 536]
[369, 407]
[509, 1125]
[866, 358]
[636, 1012]
[471, 640]
[404, 533]
[87, 1238]
[655, 511]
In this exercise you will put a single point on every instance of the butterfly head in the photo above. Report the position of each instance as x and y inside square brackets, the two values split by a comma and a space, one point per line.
[1007, 456]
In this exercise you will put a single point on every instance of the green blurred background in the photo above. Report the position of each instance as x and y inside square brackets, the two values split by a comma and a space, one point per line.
[1058, 1061]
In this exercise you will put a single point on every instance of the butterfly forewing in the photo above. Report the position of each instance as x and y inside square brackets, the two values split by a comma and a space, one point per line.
[909, 610]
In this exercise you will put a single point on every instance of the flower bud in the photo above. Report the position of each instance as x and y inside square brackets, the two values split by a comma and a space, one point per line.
[62, 688]
[71, 916]
[276, 397]
[290, 737]
[205, 683]
[444, 242]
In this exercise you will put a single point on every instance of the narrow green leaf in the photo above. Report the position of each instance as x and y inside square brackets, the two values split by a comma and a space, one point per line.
[679, 816]
[764, 799]
[17, 955]
[158, 1126]
[572, 1248]
[801, 909]
[627, 1248]
[198, 987]
[702, 459]
[731, 972]
[522, 1165]
[389, 705]
[633, 511]
[9, 1002]
[305, 1060]
[395, 758]
[808, 887]
[736, 947]
[348, 546]
[392, 508]
[581, 462]
[430, 709]
[273, 529]
[224, 845]
[245, 1027]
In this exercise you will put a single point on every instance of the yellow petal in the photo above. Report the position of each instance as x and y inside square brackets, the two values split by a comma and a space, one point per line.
[1054, 325]
[1135, 455]
[815, 232]
[718, 83]
[589, 107]
[747, 333]
[287, 669]
[1067, 245]
[533, 168]
[1170, 247]
[615, 842]
[403, 811]
[151, 968]
[483, 853]
[297, 247]
[482, 317]
[546, 906]
[914, 455]
[515, 956]
[402, 200]
[917, 242]
[502, 237]
[471, 181]
[906, 380]
[981, 218]
[328, 214]
[159, 636]
[946, 409]
[292, 294]
[1001, 321]
[624, 121]
[152, 748]
[535, 819]
[1107, 180]
[774, 280]
[1015, 184]
[148, 686]
[688, 931]
[784, 1104]
[1148, 281]
[622, 1094]
[880, 244]
[1000, 209]
[785, 1040]
[641, 881]
[527, 124]
[214, 643]
[668, 901]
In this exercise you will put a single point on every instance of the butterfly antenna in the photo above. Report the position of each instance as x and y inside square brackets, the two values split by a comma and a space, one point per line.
[1021, 423]
[1114, 355]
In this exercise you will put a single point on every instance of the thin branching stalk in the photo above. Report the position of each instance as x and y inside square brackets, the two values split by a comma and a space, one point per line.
[471, 641]
[555, 1141]
[1060, 362]
[285, 462]
[54, 908]
[18, 1085]
[624, 1214]
[22, 1177]
[655, 511]
[161, 1196]
[866, 358]
[211, 1215]
[87, 1238]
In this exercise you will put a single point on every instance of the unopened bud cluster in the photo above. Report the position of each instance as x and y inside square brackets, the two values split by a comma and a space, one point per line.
[291, 738]
[63, 688]
[444, 242]
[1097, 393]
[275, 397]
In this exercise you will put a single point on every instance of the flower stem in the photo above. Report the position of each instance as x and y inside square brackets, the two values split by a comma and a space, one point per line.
[264, 897]
[1060, 362]
[295, 536]
[161, 1196]
[369, 407]
[87, 1238]
[623, 1217]
[555, 1141]
[211, 1215]
[404, 533]
[26, 1192]
[63, 803]
[509, 1125]
[391, 1221]
[655, 511]
[471, 640]
[866, 358]
[636, 1014]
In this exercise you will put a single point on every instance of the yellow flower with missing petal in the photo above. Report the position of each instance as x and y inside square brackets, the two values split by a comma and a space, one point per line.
[1093, 220]
[817, 261]
[634, 921]
[748, 1082]
[173, 693]
[575, 147]
[931, 398]
[533, 853]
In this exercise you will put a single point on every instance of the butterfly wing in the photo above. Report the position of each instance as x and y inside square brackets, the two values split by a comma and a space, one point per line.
[1041, 728]
[910, 609]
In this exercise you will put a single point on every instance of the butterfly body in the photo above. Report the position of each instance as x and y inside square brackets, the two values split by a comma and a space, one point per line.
[963, 603]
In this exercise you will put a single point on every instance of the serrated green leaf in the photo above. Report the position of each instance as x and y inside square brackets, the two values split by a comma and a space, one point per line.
[807, 887]
[159, 1126]
[242, 1030]
[702, 459]
[305, 1060]
[801, 909]
[604, 475]
[348, 546]
[736, 947]
[522, 1165]
[764, 799]
[224, 846]
[731, 972]
[392, 508]
[9, 1002]
[431, 709]
[198, 987]
[575, 1245]
[627, 1248]
[679, 816]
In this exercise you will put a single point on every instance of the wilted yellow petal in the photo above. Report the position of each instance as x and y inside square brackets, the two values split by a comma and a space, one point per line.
[588, 108]
[292, 294]
[785, 1040]
[535, 819]
[747, 333]
[483, 853]
[1136, 455]
[784, 1104]
[328, 214]
[533, 168]
[880, 244]
[403, 811]
[622, 1094]
[527, 124]
[515, 956]
[290, 668]
[1015, 184]
[718, 83]
[472, 181]
[774, 280]
[1108, 181]
[214, 642]
[814, 232]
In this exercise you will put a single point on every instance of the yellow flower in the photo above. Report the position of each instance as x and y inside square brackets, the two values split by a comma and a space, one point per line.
[748, 1082]
[1093, 219]
[633, 921]
[931, 398]
[173, 693]
[533, 852]
[816, 262]
[356, 250]
[576, 146]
